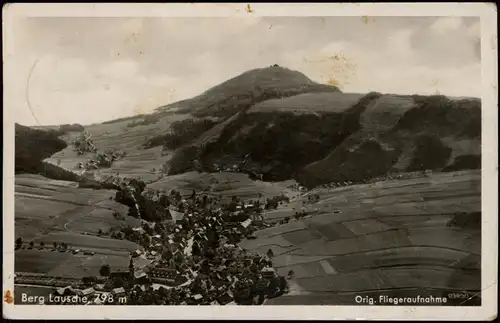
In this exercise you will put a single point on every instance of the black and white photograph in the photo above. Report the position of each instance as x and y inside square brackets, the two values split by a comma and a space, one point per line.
[198, 156]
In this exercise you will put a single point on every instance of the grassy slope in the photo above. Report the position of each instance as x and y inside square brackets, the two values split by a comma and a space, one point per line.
[309, 103]
[117, 135]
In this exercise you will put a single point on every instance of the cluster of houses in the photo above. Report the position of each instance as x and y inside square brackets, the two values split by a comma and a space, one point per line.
[84, 144]
[388, 177]
[178, 261]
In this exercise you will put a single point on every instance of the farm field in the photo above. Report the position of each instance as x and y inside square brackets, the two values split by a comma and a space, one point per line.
[100, 219]
[62, 205]
[38, 261]
[67, 264]
[89, 242]
[55, 211]
[224, 184]
[394, 235]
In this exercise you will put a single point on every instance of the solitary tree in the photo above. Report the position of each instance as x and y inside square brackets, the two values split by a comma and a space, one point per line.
[131, 269]
[55, 245]
[105, 270]
[32, 244]
[42, 244]
[270, 253]
[19, 243]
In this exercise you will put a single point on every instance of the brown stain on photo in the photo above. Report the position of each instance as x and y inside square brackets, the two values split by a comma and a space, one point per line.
[170, 95]
[249, 8]
[367, 19]
[138, 110]
[336, 58]
[9, 297]
[336, 69]
[332, 82]
[435, 83]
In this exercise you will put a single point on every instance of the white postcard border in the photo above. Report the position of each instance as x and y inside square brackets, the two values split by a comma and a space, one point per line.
[487, 12]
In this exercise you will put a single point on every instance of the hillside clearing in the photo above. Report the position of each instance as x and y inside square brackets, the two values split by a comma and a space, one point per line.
[309, 103]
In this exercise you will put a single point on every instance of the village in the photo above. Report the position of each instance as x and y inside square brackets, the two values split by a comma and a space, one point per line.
[189, 256]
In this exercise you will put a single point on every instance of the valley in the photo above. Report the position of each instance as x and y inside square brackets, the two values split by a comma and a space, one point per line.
[350, 219]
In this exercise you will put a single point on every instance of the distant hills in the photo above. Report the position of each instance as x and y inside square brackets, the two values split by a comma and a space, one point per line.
[278, 123]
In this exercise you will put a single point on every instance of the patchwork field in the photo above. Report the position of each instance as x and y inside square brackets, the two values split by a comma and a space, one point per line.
[55, 211]
[395, 235]
[51, 211]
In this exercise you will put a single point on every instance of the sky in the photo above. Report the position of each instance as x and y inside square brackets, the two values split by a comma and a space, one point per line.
[89, 70]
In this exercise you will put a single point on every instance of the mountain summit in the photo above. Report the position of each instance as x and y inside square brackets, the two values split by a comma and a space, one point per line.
[246, 89]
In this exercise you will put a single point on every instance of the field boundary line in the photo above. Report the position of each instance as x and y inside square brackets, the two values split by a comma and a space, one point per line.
[388, 248]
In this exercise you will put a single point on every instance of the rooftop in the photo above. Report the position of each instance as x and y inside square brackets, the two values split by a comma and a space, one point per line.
[118, 290]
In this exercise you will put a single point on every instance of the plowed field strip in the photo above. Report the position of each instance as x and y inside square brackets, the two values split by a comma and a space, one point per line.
[49, 198]
[389, 248]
